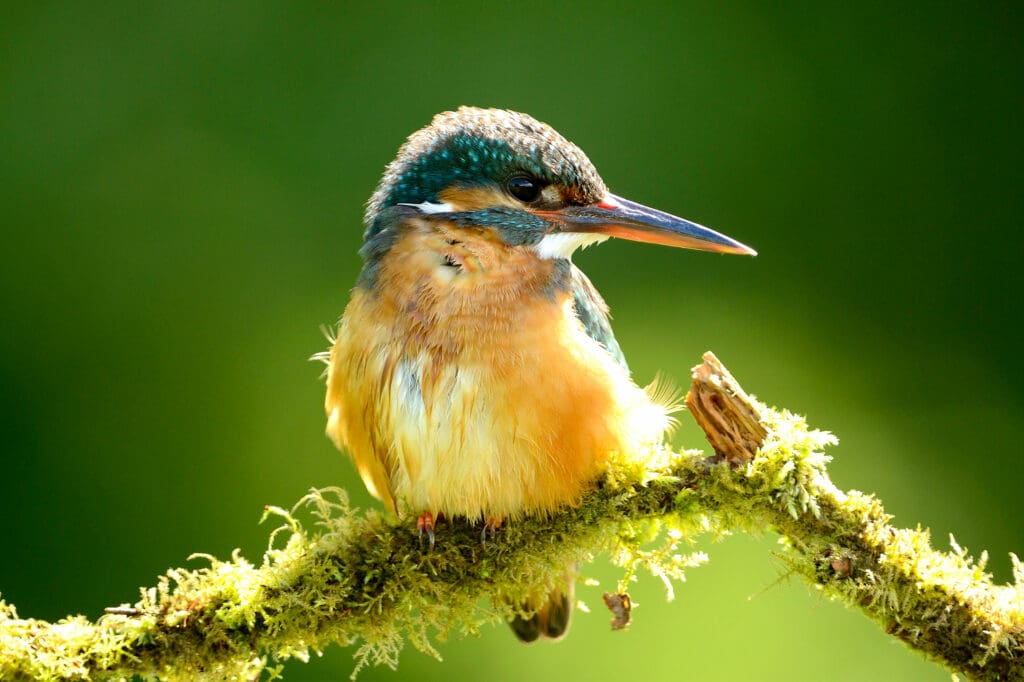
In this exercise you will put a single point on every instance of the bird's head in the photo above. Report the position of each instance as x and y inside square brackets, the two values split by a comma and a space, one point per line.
[489, 169]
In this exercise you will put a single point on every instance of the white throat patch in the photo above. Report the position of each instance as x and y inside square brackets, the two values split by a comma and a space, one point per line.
[563, 244]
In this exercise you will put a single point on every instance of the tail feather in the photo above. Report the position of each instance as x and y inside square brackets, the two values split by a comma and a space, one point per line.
[551, 618]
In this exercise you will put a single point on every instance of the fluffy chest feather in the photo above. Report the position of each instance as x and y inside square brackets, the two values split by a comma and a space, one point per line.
[464, 383]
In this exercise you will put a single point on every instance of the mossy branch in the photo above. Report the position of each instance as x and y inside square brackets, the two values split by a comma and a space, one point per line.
[363, 578]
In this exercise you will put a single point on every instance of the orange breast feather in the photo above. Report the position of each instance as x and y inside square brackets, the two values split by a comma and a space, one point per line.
[463, 384]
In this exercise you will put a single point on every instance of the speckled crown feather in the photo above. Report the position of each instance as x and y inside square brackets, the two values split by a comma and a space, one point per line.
[512, 137]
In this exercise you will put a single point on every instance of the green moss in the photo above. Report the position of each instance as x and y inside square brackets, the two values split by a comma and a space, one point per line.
[333, 574]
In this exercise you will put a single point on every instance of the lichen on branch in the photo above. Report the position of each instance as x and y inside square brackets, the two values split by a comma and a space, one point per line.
[333, 574]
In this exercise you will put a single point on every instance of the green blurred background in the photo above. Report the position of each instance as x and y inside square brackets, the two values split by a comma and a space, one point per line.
[182, 187]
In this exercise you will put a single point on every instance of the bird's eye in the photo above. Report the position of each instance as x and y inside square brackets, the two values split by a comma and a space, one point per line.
[524, 188]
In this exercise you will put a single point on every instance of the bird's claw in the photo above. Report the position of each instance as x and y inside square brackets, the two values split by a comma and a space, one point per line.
[425, 524]
[491, 526]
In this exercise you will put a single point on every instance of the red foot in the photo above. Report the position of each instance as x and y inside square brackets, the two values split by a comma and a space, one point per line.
[491, 526]
[425, 524]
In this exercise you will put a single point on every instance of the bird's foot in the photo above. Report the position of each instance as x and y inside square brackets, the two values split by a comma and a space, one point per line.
[491, 526]
[425, 524]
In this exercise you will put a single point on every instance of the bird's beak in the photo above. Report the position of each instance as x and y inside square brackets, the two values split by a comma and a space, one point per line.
[618, 217]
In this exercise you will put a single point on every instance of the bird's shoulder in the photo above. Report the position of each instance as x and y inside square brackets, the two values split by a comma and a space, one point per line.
[592, 312]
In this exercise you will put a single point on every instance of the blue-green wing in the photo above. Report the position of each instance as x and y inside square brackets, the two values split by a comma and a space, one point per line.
[593, 313]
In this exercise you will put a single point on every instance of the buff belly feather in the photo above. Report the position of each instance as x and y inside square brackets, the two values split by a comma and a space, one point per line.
[488, 428]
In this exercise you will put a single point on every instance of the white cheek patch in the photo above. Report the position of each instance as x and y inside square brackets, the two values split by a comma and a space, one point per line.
[563, 244]
[427, 207]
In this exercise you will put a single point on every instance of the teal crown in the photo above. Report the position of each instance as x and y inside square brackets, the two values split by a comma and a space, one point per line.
[473, 147]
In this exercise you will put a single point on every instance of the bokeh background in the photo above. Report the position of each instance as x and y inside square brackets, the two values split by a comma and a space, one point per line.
[181, 187]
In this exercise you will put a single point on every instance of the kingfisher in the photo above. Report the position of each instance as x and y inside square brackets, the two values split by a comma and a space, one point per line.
[474, 372]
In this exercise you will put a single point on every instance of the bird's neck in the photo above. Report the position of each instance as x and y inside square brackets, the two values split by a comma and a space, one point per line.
[445, 287]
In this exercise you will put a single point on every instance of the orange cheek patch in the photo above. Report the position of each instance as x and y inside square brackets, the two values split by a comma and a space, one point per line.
[476, 198]
[573, 194]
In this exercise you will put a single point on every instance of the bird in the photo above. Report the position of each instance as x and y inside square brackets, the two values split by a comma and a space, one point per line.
[474, 372]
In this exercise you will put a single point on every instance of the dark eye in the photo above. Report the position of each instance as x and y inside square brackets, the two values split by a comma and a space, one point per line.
[524, 188]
